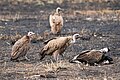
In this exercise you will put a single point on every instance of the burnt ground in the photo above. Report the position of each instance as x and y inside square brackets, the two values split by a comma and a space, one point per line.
[99, 29]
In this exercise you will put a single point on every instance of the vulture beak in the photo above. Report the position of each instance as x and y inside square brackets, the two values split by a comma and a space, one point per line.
[78, 36]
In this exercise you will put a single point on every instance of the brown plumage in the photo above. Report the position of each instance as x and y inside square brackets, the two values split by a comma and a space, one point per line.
[92, 57]
[21, 47]
[56, 21]
[57, 46]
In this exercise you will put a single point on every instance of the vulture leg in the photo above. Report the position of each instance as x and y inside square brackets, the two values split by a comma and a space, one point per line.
[55, 55]
[58, 30]
[53, 29]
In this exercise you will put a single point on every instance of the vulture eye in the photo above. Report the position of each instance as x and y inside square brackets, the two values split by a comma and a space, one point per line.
[59, 9]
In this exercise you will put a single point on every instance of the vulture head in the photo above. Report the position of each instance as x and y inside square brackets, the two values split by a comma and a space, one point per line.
[105, 50]
[30, 34]
[75, 36]
[58, 10]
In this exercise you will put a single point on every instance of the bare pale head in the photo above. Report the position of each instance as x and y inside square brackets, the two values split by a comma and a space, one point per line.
[58, 9]
[76, 36]
[30, 34]
[105, 50]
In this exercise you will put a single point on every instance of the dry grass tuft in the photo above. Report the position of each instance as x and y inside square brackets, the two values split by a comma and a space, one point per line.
[4, 37]
[55, 67]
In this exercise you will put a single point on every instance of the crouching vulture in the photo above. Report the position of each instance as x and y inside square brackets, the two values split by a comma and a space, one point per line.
[57, 46]
[92, 57]
[20, 48]
[56, 21]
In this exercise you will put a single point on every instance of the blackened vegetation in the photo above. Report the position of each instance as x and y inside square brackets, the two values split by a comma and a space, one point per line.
[99, 28]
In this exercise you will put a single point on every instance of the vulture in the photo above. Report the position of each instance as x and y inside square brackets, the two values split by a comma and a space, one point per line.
[56, 46]
[56, 21]
[92, 57]
[20, 48]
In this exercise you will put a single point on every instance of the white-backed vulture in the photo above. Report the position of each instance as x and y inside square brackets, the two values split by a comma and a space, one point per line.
[92, 57]
[56, 21]
[20, 48]
[57, 46]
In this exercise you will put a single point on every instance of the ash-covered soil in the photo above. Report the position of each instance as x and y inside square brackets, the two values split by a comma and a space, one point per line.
[99, 30]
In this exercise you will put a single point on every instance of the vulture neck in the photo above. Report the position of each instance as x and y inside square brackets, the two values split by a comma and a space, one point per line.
[73, 39]
[27, 37]
[57, 12]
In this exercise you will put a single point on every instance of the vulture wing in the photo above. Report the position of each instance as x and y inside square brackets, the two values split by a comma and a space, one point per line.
[82, 55]
[51, 20]
[90, 56]
[20, 48]
[61, 20]
[45, 42]
[55, 44]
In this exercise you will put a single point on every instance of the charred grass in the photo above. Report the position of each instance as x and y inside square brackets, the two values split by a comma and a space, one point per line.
[98, 26]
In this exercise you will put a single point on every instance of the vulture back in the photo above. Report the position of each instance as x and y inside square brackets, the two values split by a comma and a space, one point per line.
[20, 48]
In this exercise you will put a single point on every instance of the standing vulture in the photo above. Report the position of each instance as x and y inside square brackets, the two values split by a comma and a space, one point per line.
[21, 47]
[57, 46]
[92, 57]
[56, 21]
